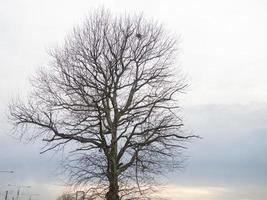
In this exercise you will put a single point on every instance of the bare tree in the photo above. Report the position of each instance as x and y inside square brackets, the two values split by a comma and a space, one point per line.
[111, 93]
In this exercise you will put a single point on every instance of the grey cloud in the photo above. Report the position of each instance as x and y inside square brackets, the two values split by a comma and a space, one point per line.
[233, 148]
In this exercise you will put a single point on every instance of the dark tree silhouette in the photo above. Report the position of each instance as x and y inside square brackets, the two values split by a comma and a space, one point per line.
[111, 93]
[66, 196]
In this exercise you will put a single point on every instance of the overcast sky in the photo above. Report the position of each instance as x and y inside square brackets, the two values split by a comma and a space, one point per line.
[223, 52]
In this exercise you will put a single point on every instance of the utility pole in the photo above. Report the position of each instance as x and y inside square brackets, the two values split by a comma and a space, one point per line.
[6, 171]
[6, 195]
[19, 187]
[18, 194]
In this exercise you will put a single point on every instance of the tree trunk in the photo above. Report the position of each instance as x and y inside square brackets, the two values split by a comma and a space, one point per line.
[113, 193]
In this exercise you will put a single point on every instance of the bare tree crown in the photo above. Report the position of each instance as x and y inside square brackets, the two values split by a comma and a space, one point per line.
[112, 88]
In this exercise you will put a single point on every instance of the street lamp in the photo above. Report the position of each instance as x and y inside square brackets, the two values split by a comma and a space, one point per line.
[19, 187]
[6, 194]
[6, 171]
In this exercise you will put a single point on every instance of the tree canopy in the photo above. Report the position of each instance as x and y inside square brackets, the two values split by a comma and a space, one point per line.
[111, 94]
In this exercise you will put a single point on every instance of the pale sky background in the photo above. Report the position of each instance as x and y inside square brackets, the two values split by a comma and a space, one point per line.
[224, 55]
